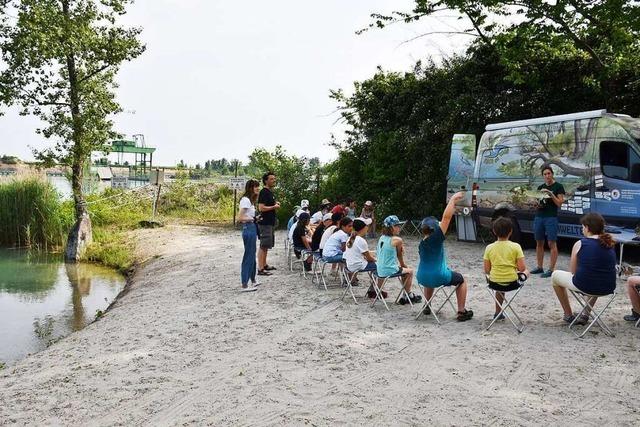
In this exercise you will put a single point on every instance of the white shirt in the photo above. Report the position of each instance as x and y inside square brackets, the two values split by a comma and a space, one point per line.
[354, 255]
[316, 217]
[325, 236]
[333, 246]
[245, 203]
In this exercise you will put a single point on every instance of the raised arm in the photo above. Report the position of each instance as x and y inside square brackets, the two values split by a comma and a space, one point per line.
[450, 210]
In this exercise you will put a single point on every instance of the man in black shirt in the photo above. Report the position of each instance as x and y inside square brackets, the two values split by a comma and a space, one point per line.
[267, 205]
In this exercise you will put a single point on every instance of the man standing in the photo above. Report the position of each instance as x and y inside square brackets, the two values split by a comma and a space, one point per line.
[267, 205]
[545, 224]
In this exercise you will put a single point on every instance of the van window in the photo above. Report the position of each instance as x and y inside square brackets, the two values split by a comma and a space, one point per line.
[618, 160]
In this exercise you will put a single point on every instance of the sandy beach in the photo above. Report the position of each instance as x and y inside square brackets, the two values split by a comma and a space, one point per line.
[184, 347]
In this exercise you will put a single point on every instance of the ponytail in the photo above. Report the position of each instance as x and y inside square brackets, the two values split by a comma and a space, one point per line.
[606, 240]
[352, 238]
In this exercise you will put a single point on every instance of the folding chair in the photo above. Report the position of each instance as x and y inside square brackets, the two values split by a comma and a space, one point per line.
[506, 304]
[379, 287]
[584, 300]
[338, 273]
[447, 299]
[304, 254]
[349, 283]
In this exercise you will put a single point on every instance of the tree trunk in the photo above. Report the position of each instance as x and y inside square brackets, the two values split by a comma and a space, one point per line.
[80, 235]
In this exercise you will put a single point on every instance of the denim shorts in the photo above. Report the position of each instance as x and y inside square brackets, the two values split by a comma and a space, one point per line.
[545, 226]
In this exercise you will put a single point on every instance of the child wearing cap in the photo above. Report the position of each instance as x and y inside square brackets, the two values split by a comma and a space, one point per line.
[318, 217]
[367, 212]
[503, 260]
[390, 252]
[357, 254]
[433, 271]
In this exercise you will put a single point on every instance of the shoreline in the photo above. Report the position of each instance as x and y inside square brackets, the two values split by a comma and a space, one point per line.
[184, 346]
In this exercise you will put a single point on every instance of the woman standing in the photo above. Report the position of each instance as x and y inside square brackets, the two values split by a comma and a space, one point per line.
[247, 218]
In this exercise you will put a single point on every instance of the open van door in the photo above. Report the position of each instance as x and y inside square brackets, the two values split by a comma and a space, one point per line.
[461, 165]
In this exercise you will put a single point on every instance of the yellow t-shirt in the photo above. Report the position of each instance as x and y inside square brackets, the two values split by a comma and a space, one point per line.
[503, 255]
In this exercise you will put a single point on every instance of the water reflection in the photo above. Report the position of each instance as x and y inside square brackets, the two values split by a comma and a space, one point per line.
[43, 299]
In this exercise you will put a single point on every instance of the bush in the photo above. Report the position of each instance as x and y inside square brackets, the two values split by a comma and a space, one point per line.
[31, 215]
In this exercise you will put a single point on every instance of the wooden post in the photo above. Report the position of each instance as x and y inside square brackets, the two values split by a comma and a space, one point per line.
[235, 197]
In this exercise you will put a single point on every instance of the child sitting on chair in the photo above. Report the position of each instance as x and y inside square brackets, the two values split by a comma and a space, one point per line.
[433, 271]
[503, 260]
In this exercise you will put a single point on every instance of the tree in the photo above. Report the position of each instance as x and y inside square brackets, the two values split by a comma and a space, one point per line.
[61, 58]
[601, 34]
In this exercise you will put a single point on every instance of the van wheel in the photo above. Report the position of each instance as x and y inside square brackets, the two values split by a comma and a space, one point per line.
[523, 239]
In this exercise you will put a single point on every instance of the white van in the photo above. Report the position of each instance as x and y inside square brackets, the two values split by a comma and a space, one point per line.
[595, 155]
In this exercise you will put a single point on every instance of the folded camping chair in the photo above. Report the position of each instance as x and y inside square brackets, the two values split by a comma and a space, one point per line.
[323, 279]
[289, 251]
[448, 292]
[349, 284]
[378, 285]
[584, 300]
[506, 305]
[315, 270]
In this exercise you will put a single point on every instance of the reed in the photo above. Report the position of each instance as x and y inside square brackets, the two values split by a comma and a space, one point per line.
[31, 215]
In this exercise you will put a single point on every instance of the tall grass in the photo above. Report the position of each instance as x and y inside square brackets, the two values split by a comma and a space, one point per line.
[31, 215]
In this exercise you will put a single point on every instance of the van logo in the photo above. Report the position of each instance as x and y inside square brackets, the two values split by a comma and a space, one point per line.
[615, 194]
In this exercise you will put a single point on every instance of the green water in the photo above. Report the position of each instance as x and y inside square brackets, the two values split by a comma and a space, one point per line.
[42, 299]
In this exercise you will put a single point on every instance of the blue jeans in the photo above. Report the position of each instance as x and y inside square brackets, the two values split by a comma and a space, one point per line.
[249, 265]
[332, 259]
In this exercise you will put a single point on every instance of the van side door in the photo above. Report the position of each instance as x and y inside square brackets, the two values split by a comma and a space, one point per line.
[617, 187]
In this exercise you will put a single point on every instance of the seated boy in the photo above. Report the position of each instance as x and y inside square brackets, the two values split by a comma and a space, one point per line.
[503, 260]
[433, 270]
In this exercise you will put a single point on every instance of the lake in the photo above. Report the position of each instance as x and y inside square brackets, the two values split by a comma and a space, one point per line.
[42, 299]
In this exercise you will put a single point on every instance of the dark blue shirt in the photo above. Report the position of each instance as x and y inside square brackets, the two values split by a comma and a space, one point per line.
[596, 270]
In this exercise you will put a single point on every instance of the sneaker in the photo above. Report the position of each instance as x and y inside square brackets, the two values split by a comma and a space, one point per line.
[537, 270]
[263, 273]
[568, 318]
[582, 320]
[372, 294]
[426, 311]
[546, 274]
[256, 283]
[269, 268]
[499, 316]
[633, 317]
[465, 315]
[248, 289]
[415, 298]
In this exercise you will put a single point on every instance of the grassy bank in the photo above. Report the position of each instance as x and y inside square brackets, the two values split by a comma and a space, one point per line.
[116, 213]
[31, 215]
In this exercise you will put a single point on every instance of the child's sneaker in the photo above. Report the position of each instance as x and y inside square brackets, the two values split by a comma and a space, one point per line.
[465, 315]
[499, 316]
[248, 289]
[537, 270]
[546, 274]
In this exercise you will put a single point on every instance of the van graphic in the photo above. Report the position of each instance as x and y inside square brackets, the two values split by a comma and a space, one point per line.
[595, 155]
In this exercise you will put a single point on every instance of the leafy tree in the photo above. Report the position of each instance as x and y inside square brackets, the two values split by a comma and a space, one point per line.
[297, 177]
[60, 60]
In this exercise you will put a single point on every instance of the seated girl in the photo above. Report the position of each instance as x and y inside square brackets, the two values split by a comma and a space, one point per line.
[357, 254]
[592, 266]
[391, 259]
[433, 271]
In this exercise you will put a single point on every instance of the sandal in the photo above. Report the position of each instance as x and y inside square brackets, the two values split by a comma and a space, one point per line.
[465, 315]
[269, 268]
[263, 273]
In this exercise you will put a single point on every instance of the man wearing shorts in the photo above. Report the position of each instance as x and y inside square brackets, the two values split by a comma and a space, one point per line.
[267, 205]
[545, 223]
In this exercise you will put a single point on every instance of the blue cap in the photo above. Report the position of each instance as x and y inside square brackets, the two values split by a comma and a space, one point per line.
[430, 223]
[392, 220]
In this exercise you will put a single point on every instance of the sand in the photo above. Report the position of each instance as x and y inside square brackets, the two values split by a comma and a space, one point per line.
[184, 347]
